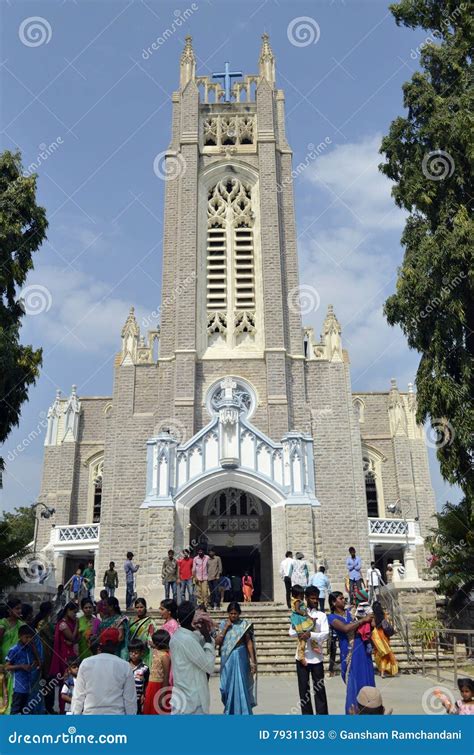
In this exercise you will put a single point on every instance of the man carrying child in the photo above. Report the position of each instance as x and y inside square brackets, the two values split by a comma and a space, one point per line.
[312, 663]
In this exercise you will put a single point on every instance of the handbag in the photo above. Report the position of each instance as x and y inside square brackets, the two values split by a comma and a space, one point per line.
[387, 628]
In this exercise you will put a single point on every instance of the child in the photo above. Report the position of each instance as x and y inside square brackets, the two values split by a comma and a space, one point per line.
[365, 630]
[69, 679]
[101, 605]
[141, 672]
[76, 584]
[3, 691]
[156, 703]
[300, 621]
[111, 580]
[464, 706]
[21, 661]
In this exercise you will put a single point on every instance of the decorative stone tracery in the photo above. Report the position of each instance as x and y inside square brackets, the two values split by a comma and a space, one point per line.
[230, 290]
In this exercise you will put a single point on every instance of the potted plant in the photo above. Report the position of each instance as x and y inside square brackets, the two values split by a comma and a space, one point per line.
[424, 630]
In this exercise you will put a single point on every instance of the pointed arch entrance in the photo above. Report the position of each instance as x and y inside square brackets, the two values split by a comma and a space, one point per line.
[237, 525]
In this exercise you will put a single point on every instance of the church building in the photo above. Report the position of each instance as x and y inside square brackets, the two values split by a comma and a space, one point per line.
[231, 425]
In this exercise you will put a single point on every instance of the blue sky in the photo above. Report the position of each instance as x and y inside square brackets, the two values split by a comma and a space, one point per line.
[78, 81]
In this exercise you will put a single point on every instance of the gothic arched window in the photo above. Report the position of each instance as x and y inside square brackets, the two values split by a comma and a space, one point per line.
[230, 264]
[371, 495]
[371, 464]
[96, 469]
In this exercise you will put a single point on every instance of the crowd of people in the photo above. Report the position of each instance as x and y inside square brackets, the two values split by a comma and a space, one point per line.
[80, 655]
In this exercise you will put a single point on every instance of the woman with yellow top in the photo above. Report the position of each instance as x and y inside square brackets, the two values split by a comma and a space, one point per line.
[383, 655]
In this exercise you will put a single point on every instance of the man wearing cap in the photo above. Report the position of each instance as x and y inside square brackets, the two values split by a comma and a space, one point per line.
[370, 703]
[105, 684]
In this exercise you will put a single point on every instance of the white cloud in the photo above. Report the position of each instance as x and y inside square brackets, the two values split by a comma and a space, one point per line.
[85, 315]
[350, 172]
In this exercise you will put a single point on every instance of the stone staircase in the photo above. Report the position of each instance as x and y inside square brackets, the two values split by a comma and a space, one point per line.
[276, 650]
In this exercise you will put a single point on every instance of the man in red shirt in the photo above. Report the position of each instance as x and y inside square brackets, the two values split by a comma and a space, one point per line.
[185, 577]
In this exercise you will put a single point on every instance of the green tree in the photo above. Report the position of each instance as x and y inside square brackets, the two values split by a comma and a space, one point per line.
[22, 230]
[429, 157]
[452, 548]
[16, 532]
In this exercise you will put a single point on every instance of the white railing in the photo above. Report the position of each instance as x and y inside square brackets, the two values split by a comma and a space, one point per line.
[388, 527]
[76, 533]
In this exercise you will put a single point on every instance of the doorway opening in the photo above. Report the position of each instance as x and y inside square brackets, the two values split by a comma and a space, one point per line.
[237, 526]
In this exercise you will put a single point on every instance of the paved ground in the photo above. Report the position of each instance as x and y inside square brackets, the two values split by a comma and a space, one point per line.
[279, 694]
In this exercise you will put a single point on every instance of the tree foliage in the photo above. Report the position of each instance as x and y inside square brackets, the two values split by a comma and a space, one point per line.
[429, 157]
[16, 532]
[22, 230]
[452, 548]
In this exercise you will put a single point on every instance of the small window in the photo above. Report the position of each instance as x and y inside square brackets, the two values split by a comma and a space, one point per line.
[371, 495]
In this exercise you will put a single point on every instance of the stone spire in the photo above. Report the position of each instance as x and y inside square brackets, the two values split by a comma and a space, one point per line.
[267, 61]
[130, 338]
[71, 417]
[331, 336]
[396, 411]
[187, 63]
[54, 412]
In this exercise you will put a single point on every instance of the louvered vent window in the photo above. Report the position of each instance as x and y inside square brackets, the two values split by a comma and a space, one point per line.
[230, 290]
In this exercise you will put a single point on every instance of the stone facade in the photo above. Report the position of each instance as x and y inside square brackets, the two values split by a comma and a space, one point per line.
[301, 388]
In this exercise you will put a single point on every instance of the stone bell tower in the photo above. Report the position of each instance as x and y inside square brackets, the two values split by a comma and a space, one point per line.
[230, 270]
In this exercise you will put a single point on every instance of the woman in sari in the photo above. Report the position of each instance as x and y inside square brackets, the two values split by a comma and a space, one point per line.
[44, 627]
[238, 663]
[65, 647]
[88, 628]
[247, 587]
[384, 658]
[141, 628]
[8, 637]
[357, 669]
[115, 618]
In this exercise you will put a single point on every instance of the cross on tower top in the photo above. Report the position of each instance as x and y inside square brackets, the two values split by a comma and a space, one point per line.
[227, 75]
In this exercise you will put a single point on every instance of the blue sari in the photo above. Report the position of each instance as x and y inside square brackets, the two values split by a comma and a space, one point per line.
[237, 684]
[357, 668]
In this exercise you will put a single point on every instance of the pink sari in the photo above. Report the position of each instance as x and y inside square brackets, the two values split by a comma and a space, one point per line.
[62, 651]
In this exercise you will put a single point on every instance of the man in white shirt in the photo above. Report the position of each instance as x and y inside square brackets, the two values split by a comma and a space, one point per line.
[374, 580]
[323, 584]
[285, 567]
[313, 657]
[105, 684]
[191, 662]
